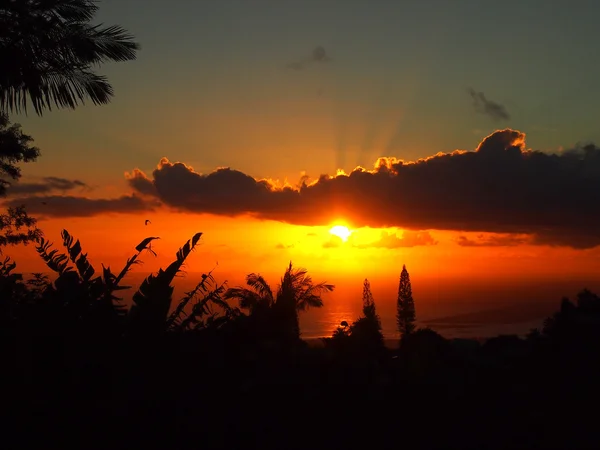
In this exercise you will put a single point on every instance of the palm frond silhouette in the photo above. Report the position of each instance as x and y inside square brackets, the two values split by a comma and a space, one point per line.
[49, 50]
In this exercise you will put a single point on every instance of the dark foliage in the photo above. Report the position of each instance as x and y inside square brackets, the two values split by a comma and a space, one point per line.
[15, 148]
[16, 227]
[82, 299]
[79, 369]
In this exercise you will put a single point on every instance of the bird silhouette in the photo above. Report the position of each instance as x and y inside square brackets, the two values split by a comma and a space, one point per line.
[147, 222]
[44, 203]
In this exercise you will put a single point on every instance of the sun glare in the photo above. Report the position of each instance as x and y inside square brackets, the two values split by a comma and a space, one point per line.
[341, 231]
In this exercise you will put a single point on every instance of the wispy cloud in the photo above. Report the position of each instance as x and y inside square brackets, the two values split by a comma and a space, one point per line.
[387, 240]
[46, 185]
[408, 239]
[496, 240]
[488, 107]
[318, 56]
[70, 206]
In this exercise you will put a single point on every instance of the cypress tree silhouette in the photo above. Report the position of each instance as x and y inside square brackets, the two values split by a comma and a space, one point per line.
[367, 298]
[369, 306]
[405, 307]
[367, 329]
[363, 338]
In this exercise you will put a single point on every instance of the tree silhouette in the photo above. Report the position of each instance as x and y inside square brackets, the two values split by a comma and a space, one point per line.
[296, 292]
[48, 52]
[258, 298]
[423, 350]
[576, 323]
[364, 335]
[369, 304]
[366, 331]
[15, 147]
[405, 306]
[16, 227]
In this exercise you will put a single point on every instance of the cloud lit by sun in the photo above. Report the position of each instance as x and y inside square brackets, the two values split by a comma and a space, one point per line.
[341, 231]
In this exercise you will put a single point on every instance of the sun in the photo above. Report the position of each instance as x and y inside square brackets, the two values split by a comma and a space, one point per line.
[341, 231]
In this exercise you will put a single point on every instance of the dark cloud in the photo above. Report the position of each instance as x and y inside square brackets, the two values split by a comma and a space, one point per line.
[496, 240]
[318, 55]
[408, 239]
[492, 109]
[137, 180]
[295, 65]
[333, 242]
[284, 247]
[68, 206]
[499, 188]
[46, 185]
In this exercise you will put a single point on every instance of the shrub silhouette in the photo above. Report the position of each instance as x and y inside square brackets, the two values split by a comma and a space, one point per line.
[424, 350]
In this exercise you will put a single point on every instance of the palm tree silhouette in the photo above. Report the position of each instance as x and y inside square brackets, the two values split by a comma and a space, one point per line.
[48, 51]
[296, 292]
[258, 297]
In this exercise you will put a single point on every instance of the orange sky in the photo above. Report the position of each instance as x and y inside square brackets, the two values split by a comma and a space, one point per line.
[447, 278]
[222, 92]
[243, 245]
[444, 264]
[403, 92]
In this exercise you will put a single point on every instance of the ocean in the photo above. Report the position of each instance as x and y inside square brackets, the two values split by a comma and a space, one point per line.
[454, 313]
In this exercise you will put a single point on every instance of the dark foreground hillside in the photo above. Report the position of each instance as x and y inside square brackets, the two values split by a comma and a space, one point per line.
[216, 392]
[81, 371]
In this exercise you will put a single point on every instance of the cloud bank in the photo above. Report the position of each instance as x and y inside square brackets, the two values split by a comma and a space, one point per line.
[500, 187]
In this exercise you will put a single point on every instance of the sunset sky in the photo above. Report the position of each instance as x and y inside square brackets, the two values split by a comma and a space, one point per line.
[247, 120]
